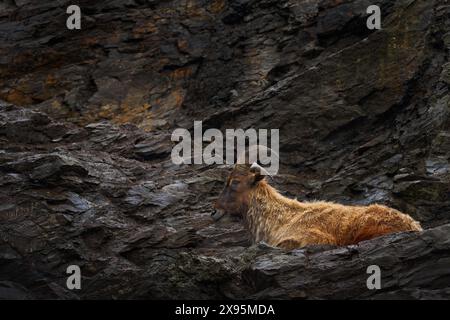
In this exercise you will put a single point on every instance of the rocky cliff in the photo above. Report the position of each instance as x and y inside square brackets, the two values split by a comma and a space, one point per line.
[86, 176]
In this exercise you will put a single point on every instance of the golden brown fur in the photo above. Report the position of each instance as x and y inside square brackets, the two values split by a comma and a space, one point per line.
[288, 223]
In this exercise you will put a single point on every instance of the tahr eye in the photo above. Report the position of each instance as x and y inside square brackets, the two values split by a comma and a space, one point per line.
[234, 184]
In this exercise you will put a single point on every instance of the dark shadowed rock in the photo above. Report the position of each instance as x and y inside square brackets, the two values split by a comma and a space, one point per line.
[86, 176]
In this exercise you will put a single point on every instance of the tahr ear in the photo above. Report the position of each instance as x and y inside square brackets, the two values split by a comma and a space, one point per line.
[256, 170]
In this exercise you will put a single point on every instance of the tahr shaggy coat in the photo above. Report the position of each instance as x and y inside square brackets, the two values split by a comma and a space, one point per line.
[288, 223]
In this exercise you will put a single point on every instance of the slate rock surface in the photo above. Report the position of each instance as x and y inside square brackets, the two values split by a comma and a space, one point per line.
[86, 118]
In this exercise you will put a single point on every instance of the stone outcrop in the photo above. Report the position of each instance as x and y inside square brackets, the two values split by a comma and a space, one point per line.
[85, 123]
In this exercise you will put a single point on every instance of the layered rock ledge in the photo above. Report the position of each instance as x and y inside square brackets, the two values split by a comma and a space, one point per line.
[141, 229]
[85, 171]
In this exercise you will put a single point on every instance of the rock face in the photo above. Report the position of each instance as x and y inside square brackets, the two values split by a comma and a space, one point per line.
[85, 171]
